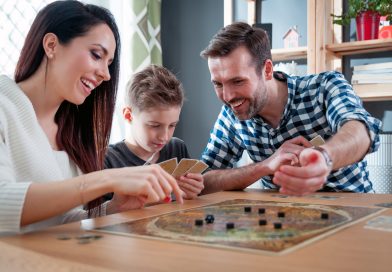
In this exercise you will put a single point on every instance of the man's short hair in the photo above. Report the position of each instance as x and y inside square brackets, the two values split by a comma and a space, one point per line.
[154, 86]
[238, 34]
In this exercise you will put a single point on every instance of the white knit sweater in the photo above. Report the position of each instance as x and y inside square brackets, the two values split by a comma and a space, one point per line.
[25, 157]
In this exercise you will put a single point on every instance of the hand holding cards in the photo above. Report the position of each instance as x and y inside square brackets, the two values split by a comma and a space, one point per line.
[185, 166]
[191, 186]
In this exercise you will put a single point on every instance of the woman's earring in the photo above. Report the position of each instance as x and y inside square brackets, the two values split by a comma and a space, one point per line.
[50, 56]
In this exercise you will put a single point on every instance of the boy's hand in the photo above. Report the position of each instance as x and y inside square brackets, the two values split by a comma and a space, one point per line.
[191, 185]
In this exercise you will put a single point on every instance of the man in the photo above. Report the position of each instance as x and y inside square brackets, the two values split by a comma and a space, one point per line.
[273, 116]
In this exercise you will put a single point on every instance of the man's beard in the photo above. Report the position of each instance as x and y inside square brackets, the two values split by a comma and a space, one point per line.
[255, 106]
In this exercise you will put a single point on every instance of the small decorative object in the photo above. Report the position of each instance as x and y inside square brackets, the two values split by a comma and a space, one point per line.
[384, 21]
[367, 16]
[291, 37]
[385, 32]
[385, 29]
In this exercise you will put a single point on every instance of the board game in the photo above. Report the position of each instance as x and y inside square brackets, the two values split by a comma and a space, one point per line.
[266, 227]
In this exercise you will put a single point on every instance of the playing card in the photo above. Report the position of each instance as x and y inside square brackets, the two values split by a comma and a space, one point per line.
[183, 167]
[385, 205]
[280, 196]
[169, 165]
[383, 223]
[324, 196]
[199, 167]
[317, 141]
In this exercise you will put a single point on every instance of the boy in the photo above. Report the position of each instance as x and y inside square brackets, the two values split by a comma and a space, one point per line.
[153, 102]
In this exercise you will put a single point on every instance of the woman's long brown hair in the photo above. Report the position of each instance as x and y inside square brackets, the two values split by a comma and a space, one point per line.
[84, 130]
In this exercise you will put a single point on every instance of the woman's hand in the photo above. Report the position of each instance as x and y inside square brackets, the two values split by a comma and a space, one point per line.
[134, 186]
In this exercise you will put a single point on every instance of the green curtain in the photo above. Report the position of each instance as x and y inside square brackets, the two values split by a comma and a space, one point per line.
[146, 37]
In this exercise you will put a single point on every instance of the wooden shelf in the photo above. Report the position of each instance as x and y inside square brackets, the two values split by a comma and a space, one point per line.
[372, 93]
[360, 47]
[368, 92]
[283, 54]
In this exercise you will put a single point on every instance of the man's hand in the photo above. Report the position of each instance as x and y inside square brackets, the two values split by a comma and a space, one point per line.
[306, 178]
[287, 154]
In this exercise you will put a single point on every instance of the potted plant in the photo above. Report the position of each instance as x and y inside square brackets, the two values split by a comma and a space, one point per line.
[367, 16]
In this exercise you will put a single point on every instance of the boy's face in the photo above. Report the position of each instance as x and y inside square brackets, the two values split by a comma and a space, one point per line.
[152, 129]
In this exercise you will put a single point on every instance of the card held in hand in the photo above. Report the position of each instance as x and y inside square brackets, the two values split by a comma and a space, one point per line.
[183, 167]
[169, 165]
[317, 141]
[198, 168]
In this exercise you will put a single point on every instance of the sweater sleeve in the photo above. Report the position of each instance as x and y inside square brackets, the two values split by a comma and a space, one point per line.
[12, 193]
[12, 197]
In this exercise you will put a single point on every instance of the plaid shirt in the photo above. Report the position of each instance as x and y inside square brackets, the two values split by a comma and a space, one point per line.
[317, 105]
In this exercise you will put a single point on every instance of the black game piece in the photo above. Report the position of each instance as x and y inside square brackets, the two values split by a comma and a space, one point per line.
[280, 214]
[209, 219]
[277, 225]
[261, 210]
[324, 216]
[229, 225]
[262, 222]
[247, 209]
[199, 222]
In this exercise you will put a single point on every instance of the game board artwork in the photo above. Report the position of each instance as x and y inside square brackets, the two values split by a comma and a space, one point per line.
[253, 225]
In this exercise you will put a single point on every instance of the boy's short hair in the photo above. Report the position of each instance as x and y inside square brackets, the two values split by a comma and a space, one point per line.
[154, 86]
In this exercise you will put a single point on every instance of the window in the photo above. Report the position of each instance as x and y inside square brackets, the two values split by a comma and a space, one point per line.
[16, 18]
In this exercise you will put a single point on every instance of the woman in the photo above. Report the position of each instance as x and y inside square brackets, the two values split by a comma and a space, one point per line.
[55, 120]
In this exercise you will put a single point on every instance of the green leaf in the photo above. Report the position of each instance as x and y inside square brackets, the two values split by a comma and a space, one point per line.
[384, 7]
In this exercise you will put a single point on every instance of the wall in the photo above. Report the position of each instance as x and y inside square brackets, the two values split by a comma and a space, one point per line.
[271, 12]
[187, 27]
[294, 14]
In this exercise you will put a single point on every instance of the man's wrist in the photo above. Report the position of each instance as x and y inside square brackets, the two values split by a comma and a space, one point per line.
[325, 154]
[261, 169]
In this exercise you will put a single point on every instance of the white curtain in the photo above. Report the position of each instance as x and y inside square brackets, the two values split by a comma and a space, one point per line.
[139, 23]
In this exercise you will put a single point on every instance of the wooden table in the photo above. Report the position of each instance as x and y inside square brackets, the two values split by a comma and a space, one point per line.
[351, 249]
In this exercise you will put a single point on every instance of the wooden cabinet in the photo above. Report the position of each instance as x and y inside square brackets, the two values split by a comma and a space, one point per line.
[325, 48]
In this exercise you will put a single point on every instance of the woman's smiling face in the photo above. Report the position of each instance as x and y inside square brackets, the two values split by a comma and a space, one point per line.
[80, 66]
